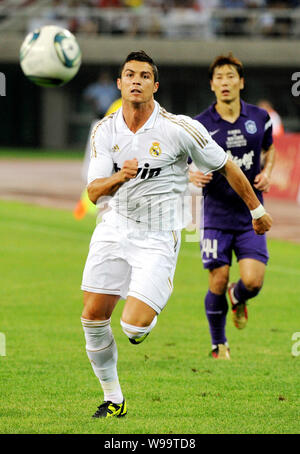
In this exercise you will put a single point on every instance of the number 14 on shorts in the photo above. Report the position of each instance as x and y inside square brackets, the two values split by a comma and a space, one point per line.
[210, 247]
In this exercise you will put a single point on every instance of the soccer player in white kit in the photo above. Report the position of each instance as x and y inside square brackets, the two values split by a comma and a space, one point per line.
[139, 158]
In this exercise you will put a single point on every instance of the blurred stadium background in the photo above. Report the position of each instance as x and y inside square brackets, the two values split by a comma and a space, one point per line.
[182, 36]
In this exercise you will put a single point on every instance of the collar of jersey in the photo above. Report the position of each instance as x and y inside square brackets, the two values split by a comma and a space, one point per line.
[121, 126]
[217, 116]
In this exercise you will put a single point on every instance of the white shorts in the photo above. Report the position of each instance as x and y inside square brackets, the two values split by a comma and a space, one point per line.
[126, 261]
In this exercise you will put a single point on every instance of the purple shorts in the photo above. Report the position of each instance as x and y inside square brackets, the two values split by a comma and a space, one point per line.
[217, 246]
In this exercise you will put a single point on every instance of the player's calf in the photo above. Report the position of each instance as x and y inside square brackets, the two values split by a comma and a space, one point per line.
[102, 352]
[239, 309]
[239, 294]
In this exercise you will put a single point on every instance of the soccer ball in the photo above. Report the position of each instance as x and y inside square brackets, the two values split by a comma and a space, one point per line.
[50, 56]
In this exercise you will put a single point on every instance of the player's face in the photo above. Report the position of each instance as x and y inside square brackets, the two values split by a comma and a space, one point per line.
[137, 82]
[226, 83]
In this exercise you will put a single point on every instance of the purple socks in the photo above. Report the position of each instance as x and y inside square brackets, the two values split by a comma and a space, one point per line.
[216, 309]
[242, 294]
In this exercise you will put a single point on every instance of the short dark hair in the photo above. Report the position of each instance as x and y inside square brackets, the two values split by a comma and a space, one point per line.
[140, 56]
[223, 60]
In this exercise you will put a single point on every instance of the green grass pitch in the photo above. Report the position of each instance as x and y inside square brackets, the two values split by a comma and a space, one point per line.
[47, 385]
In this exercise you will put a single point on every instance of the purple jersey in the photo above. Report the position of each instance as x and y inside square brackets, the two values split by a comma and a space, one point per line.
[243, 140]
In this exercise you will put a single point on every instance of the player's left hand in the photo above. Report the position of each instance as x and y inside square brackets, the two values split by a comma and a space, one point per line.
[262, 182]
[262, 224]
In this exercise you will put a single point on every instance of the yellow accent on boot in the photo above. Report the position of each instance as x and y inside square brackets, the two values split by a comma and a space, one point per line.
[109, 409]
[223, 352]
[239, 315]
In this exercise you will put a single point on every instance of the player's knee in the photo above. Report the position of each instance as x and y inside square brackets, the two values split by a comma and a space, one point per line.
[137, 332]
[98, 307]
[219, 282]
[253, 284]
[91, 313]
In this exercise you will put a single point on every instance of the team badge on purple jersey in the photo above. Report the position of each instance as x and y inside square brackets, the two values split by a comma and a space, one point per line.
[251, 126]
[243, 141]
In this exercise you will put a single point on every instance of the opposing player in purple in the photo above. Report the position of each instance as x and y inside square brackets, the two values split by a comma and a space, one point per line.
[244, 131]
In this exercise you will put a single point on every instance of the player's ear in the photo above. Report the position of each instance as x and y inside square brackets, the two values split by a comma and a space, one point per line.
[211, 85]
[119, 83]
[242, 83]
[156, 85]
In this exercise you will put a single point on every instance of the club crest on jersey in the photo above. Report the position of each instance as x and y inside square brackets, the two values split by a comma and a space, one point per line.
[155, 150]
[250, 126]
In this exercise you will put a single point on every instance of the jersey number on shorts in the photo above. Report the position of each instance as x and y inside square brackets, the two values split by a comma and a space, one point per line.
[210, 247]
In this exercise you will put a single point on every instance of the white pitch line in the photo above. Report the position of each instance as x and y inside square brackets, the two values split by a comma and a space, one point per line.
[48, 230]
[281, 270]
[69, 234]
[269, 269]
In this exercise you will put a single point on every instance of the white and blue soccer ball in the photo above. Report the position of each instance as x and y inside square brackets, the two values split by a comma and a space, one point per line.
[50, 56]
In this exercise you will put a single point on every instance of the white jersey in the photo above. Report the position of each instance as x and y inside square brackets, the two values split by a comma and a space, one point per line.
[156, 198]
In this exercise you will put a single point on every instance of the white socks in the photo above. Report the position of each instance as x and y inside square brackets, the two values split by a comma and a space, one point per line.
[103, 355]
[135, 332]
[102, 352]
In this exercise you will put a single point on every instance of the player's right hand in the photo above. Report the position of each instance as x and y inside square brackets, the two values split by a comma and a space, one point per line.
[129, 169]
[262, 224]
[199, 179]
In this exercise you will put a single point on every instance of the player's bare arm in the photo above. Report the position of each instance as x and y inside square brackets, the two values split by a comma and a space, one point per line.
[262, 181]
[199, 179]
[243, 188]
[108, 186]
